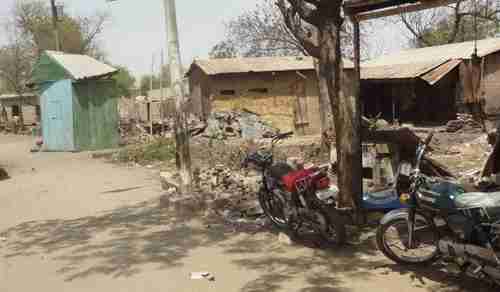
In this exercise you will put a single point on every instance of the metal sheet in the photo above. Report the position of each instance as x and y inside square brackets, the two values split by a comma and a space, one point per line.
[81, 66]
[414, 62]
[57, 116]
[260, 64]
[398, 71]
[432, 77]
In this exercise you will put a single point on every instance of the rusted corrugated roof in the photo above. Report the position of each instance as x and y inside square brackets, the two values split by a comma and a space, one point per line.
[398, 71]
[81, 66]
[432, 77]
[413, 63]
[261, 64]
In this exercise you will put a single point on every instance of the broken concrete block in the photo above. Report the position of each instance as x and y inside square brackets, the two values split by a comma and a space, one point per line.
[284, 239]
[253, 208]
[187, 205]
[169, 180]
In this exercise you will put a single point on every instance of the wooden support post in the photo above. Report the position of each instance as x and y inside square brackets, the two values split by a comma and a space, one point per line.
[357, 97]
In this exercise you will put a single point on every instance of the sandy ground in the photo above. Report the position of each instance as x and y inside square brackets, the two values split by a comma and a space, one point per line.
[72, 224]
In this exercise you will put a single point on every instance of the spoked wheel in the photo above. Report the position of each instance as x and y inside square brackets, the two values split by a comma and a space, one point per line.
[327, 224]
[332, 226]
[274, 207]
[393, 241]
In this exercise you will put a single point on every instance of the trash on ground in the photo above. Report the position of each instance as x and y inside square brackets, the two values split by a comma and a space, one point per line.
[201, 276]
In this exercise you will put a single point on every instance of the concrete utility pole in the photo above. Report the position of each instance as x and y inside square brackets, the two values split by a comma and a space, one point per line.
[176, 81]
[162, 95]
[54, 24]
[150, 102]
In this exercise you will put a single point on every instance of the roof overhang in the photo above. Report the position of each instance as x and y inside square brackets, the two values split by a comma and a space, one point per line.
[361, 10]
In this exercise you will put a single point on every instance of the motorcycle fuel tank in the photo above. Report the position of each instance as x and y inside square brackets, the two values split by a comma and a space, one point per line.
[382, 200]
[440, 195]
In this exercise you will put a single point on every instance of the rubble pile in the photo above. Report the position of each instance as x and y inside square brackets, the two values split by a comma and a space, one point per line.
[219, 126]
[231, 191]
[463, 121]
[247, 125]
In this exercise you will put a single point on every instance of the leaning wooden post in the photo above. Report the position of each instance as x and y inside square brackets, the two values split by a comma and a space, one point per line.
[176, 77]
[357, 98]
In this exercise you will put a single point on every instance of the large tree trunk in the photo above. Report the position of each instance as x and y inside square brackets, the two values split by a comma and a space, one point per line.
[345, 108]
[323, 100]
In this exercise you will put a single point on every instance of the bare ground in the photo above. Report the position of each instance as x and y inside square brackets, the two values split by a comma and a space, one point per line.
[70, 223]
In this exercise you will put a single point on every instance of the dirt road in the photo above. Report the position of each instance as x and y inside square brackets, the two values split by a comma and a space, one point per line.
[69, 223]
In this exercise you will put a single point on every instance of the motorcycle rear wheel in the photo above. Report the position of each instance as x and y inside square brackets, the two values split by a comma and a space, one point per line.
[335, 233]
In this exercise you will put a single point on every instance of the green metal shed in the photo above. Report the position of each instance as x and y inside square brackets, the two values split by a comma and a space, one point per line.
[79, 106]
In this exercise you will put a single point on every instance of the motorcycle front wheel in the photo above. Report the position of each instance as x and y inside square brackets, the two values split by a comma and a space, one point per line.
[274, 208]
[393, 241]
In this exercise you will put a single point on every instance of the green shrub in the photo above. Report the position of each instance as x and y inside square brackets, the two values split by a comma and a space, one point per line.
[158, 150]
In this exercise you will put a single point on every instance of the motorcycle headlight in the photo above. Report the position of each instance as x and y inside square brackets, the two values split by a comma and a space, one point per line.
[404, 198]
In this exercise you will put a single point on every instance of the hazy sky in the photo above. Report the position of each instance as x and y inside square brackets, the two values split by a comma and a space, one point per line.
[137, 27]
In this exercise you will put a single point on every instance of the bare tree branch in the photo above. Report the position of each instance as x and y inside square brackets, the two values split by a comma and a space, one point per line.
[307, 37]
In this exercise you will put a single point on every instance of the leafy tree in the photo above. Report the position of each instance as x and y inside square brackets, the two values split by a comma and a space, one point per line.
[451, 24]
[145, 81]
[28, 32]
[223, 50]
[16, 60]
[124, 81]
[78, 35]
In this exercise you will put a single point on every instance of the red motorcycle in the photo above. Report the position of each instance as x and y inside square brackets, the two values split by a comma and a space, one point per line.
[298, 200]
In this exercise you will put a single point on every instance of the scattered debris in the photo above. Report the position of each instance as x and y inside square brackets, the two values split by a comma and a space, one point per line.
[284, 239]
[201, 276]
[3, 174]
[246, 125]
[463, 121]
[169, 181]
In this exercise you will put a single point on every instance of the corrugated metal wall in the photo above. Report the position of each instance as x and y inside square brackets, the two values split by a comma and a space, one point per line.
[57, 116]
[96, 115]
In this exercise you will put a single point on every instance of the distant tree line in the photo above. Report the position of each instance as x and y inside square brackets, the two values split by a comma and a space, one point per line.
[29, 32]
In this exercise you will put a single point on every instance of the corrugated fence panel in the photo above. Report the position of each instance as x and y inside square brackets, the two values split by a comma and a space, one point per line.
[81, 116]
[57, 116]
[105, 115]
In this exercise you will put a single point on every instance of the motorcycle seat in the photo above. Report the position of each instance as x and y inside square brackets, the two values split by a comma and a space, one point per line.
[488, 201]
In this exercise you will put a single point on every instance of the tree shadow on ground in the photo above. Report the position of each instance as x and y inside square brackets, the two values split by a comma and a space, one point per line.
[119, 243]
[449, 279]
[115, 243]
[324, 268]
